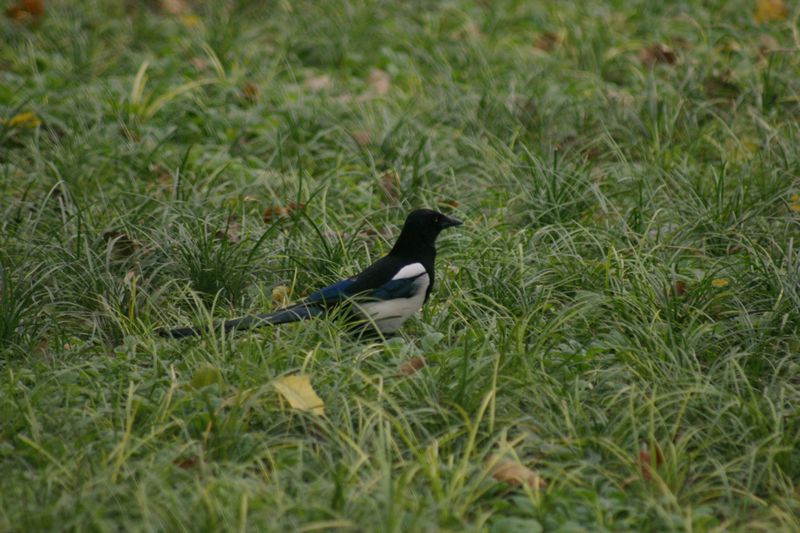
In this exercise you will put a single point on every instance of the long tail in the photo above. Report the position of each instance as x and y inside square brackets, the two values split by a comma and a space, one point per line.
[282, 316]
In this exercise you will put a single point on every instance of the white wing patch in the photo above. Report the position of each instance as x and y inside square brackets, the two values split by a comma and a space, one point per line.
[410, 271]
[389, 315]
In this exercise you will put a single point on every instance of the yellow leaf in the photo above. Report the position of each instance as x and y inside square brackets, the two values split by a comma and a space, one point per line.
[512, 473]
[190, 21]
[769, 10]
[298, 392]
[719, 282]
[205, 375]
[280, 295]
[24, 120]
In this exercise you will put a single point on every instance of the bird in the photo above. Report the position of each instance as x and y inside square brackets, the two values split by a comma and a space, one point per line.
[380, 298]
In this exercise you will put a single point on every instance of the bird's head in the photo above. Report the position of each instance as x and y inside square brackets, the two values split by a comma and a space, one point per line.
[421, 228]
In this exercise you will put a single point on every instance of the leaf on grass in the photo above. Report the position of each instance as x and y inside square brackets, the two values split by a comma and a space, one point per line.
[22, 120]
[190, 20]
[390, 186]
[271, 213]
[719, 283]
[250, 92]
[298, 392]
[318, 83]
[770, 10]
[549, 41]
[649, 460]
[280, 295]
[411, 366]
[205, 375]
[25, 11]
[512, 473]
[680, 288]
[656, 53]
[230, 233]
[362, 138]
[794, 202]
[378, 81]
[174, 7]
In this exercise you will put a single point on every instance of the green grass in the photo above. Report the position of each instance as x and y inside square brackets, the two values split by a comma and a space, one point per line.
[627, 279]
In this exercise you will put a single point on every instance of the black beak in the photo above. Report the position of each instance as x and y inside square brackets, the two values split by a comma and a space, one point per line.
[449, 222]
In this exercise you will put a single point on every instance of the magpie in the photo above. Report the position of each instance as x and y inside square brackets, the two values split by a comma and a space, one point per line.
[380, 298]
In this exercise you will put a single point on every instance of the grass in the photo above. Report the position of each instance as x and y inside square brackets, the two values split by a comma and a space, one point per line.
[620, 312]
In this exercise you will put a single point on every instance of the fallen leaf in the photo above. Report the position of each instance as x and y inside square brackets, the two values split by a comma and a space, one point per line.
[378, 81]
[174, 7]
[794, 202]
[770, 10]
[25, 11]
[680, 288]
[447, 202]
[646, 461]
[656, 53]
[199, 63]
[205, 375]
[411, 366]
[230, 233]
[22, 120]
[766, 45]
[318, 83]
[250, 92]
[719, 283]
[390, 186]
[186, 463]
[271, 213]
[362, 138]
[298, 392]
[548, 41]
[512, 473]
[280, 295]
[190, 21]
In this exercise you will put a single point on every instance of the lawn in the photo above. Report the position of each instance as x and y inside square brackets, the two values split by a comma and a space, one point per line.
[613, 342]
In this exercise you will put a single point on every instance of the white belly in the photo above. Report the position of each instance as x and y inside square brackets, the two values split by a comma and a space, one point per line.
[389, 315]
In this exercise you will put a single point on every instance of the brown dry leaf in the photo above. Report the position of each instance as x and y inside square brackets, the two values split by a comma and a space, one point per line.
[186, 463]
[280, 295]
[679, 287]
[230, 233]
[406, 368]
[447, 202]
[656, 53]
[297, 390]
[767, 44]
[25, 11]
[250, 92]
[121, 244]
[378, 81]
[770, 10]
[512, 473]
[646, 461]
[390, 186]
[174, 7]
[548, 41]
[318, 83]
[199, 63]
[362, 138]
[271, 213]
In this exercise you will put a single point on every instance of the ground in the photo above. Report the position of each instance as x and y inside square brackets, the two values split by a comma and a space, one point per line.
[612, 341]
